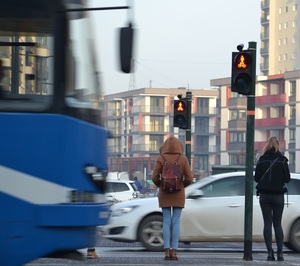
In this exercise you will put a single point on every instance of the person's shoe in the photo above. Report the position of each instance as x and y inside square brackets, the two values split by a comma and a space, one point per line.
[280, 256]
[91, 254]
[173, 255]
[167, 254]
[270, 255]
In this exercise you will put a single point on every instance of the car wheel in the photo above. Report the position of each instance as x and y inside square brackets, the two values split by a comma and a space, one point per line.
[294, 239]
[150, 233]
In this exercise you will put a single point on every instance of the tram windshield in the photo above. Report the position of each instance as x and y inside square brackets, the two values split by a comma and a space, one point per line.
[29, 79]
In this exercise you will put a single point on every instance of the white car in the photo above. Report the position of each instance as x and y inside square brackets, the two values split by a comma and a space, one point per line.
[121, 190]
[214, 211]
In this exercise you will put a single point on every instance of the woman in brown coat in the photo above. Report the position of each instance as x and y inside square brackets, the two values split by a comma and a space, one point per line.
[171, 203]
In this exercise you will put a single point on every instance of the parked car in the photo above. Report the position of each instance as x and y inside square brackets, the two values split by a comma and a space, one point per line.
[121, 190]
[214, 211]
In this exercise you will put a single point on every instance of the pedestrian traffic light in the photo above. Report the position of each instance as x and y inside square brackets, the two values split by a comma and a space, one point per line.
[241, 75]
[181, 114]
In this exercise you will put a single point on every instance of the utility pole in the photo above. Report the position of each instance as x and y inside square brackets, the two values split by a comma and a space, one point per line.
[250, 159]
[188, 132]
[243, 80]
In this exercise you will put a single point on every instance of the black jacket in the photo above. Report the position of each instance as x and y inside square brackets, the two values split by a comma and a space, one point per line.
[279, 174]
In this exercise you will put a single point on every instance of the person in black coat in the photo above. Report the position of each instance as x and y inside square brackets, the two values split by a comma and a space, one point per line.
[271, 174]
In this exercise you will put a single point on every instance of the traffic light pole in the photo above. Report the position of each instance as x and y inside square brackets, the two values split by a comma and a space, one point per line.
[250, 160]
[188, 130]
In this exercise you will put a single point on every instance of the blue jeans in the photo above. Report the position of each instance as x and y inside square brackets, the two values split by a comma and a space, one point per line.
[171, 226]
[272, 209]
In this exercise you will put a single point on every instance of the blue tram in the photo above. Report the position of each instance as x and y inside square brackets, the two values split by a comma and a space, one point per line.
[52, 142]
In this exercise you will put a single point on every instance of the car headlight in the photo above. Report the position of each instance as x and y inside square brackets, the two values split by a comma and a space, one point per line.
[122, 211]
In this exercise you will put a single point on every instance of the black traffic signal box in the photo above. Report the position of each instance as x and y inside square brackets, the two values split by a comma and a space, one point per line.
[181, 114]
[241, 74]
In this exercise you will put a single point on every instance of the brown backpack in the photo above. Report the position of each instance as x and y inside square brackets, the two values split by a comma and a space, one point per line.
[171, 178]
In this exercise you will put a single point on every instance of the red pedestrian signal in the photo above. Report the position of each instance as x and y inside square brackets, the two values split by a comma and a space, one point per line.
[241, 76]
[180, 114]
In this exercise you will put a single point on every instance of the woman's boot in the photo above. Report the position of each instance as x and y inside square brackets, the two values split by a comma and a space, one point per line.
[167, 254]
[280, 256]
[174, 254]
[270, 255]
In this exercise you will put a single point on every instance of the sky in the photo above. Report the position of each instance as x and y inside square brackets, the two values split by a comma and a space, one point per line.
[178, 43]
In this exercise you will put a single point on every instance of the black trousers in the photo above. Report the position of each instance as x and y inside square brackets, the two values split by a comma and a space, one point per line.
[272, 209]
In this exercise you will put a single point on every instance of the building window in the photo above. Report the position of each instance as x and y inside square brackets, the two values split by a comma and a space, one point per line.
[237, 159]
[237, 115]
[292, 135]
[274, 112]
[203, 105]
[157, 104]
[274, 89]
[295, 7]
[202, 125]
[285, 41]
[237, 137]
[279, 10]
[279, 26]
[201, 163]
[294, 24]
[157, 124]
[202, 144]
[292, 158]
[293, 88]
[285, 25]
[292, 112]
[285, 57]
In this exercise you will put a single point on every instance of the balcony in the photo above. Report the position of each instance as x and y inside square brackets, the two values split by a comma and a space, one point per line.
[153, 129]
[145, 148]
[206, 111]
[237, 101]
[270, 122]
[205, 149]
[237, 124]
[236, 146]
[259, 145]
[150, 109]
[271, 99]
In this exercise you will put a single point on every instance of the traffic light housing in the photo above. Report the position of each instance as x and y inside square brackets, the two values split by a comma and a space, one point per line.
[241, 75]
[181, 114]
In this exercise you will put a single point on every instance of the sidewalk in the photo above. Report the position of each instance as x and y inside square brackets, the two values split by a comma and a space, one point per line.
[190, 257]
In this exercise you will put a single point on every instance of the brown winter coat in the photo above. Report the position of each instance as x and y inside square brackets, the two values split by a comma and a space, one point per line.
[170, 149]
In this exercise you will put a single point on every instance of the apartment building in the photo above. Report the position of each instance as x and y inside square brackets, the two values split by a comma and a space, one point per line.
[280, 22]
[277, 112]
[140, 120]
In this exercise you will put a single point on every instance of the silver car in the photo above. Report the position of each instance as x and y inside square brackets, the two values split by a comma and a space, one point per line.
[214, 211]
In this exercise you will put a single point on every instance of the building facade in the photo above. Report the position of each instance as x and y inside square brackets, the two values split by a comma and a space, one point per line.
[140, 120]
[277, 102]
[280, 49]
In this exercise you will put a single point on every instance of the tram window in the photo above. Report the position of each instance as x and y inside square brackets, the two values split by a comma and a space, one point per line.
[27, 78]
[26, 53]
